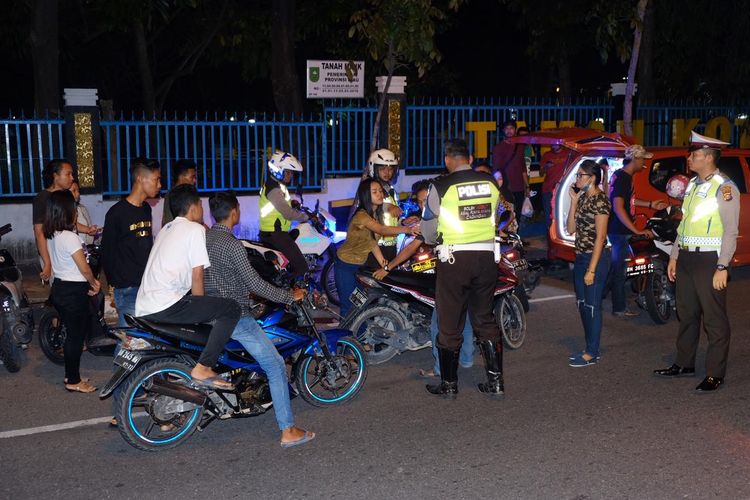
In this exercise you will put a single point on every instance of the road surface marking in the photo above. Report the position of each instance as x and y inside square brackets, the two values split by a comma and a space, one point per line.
[58, 427]
[555, 297]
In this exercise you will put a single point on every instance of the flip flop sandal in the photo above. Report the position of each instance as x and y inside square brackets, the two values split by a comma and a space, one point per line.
[427, 373]
[86, 389]
[215, 382]
[309, 436]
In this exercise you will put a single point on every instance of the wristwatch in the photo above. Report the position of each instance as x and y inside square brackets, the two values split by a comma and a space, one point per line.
[721, 267]
[385, 266]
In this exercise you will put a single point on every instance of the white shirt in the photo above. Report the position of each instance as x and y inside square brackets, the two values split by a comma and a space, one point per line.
[179, 247]
[61, 248]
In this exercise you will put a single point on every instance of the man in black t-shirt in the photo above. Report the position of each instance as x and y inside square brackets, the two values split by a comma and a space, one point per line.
[621, 226]
[128, 236]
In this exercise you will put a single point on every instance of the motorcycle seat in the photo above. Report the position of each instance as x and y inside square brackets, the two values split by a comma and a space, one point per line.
[423, 282]
[195, 334]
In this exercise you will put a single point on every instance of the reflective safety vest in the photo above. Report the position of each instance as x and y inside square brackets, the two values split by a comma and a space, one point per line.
[701, 224]
[467, 209]
[388, 219]
[268, 213]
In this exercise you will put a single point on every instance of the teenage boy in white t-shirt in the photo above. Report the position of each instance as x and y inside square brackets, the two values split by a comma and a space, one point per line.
[175, 267]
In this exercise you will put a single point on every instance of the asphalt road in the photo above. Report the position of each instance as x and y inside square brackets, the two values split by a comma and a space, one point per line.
[606, 431]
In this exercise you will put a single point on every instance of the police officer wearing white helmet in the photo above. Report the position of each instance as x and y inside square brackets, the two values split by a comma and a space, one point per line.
[383, 166]
[699, 264]
[276, 212]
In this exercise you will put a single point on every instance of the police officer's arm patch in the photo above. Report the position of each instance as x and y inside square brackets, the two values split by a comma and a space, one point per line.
[726, 192]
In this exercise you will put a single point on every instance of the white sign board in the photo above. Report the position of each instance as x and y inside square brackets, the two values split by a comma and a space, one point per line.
[335, 79]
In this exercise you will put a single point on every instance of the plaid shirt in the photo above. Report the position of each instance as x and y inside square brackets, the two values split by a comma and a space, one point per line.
[231, 276]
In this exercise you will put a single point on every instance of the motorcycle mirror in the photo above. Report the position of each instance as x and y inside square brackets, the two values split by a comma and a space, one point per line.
[299, 192]
[317, 206]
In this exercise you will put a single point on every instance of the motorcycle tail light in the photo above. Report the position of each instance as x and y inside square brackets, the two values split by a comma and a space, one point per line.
[511, 255]
[422, 257]
[136, 344]
[641, 260]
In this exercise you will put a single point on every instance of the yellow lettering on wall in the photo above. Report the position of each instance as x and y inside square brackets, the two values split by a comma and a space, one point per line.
[481, 132]
[638, 128]
[681, 129]
[548, 124]
[596, 125]
[720, 128]
[744, 133]
[567, 124]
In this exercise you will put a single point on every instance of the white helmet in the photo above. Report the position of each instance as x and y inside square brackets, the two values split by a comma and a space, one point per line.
[281, 161]
[381, 157]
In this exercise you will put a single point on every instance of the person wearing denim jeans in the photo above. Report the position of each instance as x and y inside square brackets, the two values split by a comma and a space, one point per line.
[255, 341]
[589, 298]
[466, 355]
[618, 272]
[125, 303]
[587, 219]
[232, 277]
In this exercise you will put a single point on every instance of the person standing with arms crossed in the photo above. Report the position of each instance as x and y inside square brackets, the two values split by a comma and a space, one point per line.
[699, 264]
[621, 227]
[460, 218]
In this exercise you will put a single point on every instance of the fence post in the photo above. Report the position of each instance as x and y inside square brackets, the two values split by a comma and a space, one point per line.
[392, 124]
[83, 137]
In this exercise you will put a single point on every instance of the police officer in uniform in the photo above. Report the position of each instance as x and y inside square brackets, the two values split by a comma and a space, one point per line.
[706, 241]
[276, 212]
[460, 218]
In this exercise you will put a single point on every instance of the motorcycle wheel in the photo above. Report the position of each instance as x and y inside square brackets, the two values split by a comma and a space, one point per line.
[322, 383]
[9, 354]
[511, 320]
[137, 409]
[520, 292]
[657, 304]
[379, 316]
[52, 336]
[328, 282]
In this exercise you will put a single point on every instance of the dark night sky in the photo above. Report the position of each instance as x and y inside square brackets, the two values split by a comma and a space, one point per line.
[483, 56]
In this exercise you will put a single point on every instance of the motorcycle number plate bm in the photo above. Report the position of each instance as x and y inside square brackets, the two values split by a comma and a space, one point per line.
[127, 359]
[358, 297]
[420, 267]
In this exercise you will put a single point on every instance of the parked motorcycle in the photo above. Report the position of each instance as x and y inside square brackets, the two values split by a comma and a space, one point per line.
[393, 315]
[647, 265]
[17, 321]
[159, 407]
[52, 332]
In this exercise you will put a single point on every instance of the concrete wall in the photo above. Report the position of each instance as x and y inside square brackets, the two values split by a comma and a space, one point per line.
[21, 241]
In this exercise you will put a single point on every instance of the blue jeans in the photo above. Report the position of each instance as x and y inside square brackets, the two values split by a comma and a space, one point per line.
[466, 357]
[125, 302]
[346, 281]
[255, 341]
[589, 298]
[618, 269]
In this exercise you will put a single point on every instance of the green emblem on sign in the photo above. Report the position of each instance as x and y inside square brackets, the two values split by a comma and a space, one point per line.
[314, 74]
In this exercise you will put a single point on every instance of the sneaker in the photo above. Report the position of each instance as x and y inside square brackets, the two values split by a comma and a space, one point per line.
[579, 354]
[627, 313]
[579, 362]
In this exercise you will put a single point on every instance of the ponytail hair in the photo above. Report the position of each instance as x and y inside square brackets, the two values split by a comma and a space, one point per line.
[592, 168]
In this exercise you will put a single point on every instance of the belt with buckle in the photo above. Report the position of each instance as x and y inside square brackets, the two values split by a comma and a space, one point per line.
[689, 248]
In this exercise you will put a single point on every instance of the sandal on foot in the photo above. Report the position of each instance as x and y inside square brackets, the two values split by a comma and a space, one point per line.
[309, 436]
[215, 382]
[427, 373]
[82, 386]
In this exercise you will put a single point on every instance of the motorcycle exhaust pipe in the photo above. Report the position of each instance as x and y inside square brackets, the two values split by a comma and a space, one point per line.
[177, 391]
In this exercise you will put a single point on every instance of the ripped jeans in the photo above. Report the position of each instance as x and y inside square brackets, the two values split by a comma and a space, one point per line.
[589, 298]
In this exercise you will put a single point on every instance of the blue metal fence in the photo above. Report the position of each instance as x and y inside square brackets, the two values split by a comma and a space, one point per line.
[231, 153]
[26, 145]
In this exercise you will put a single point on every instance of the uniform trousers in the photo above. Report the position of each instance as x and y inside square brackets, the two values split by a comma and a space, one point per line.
[698, 300]
[468, 283]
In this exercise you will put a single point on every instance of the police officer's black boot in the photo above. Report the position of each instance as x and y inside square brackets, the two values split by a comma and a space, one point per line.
[493, 364]
[448, 386]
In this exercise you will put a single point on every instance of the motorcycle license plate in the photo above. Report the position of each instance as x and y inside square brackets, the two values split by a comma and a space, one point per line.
[358, 297]
[127, 359]
[639, 269]
[520, 265]
[420, 267]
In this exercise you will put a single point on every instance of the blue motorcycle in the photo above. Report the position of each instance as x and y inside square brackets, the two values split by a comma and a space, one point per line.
[159, 407]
